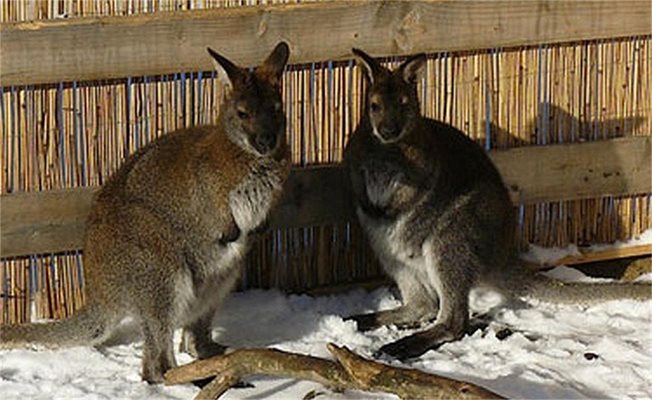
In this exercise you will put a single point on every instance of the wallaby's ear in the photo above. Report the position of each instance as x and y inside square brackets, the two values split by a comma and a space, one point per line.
[272, 68]
[227, 72]
[412, 68]
[370, 64]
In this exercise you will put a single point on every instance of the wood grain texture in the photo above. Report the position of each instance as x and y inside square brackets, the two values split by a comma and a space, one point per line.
[591, 255]
[43, 222]
[162, 43]
[53, 221]
[577, 171]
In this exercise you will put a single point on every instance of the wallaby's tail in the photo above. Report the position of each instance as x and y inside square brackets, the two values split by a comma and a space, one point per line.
[87, 326]
[544, 288]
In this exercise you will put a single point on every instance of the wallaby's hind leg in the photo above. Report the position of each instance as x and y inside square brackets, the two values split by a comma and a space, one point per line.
[197, 335]
[158, 356]
[453, 280]
[419, 304]
[198, 339]
[157, 326]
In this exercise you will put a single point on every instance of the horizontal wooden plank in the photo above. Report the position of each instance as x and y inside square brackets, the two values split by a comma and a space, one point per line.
[595, 255]
[590, 256]
[43, 222]
[53, 221]
[577, 171]
[162, 43]
[586, 256]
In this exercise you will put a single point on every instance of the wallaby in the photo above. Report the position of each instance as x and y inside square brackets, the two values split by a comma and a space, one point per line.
[167, 232]
[438, 216]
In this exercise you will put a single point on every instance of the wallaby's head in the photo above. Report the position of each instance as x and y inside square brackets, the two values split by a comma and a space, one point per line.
[253, 113]
[391, 100]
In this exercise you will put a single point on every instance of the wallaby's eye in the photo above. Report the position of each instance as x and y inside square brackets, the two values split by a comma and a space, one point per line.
[404, 100]
[242, 114]
[375, 107]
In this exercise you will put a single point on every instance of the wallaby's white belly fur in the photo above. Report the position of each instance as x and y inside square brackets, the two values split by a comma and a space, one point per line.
[250, 203]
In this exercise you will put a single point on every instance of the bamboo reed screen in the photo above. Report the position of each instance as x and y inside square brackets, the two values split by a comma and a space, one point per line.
[77, 134]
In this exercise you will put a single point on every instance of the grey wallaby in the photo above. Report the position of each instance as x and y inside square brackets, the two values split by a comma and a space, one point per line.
[167, 232]
[438, 216]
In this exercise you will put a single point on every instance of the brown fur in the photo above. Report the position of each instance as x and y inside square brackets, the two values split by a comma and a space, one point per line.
[167, 232]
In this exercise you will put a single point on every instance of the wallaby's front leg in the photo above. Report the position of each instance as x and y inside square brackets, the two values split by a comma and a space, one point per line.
[388, 192]
[260, 230]
[231, 233]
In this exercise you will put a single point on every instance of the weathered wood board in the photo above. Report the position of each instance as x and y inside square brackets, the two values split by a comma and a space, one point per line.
[53, 221]
[154, 44]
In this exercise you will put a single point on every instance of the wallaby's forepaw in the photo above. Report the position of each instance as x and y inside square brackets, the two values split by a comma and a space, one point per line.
[374, 211]
[260, 229]
[231, 235]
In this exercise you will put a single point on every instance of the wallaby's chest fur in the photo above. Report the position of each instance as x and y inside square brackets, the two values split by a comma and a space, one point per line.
[177, 196]
[417, 188]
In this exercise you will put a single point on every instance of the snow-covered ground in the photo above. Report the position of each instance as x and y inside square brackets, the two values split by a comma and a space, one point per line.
[601, 351]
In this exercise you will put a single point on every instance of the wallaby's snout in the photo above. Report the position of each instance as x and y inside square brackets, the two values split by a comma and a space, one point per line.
[265, 142]
[389, 132]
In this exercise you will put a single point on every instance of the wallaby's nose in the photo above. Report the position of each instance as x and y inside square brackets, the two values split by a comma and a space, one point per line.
[265, 143]
[390, 131]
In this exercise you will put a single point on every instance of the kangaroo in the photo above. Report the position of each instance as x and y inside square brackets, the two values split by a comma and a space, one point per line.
[438, 216]
[167, 232]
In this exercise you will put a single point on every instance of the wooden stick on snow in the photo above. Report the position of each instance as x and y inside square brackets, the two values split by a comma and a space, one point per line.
[349, 371]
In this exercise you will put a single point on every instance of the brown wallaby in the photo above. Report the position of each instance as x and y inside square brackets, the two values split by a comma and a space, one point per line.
[438, 216]
[167, 232]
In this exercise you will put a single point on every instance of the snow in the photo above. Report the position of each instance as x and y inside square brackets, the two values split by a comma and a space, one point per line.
[601, 351]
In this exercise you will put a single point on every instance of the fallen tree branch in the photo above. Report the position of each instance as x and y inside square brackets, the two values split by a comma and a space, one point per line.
[349, 371]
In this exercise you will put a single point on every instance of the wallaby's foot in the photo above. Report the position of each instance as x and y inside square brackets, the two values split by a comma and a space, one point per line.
[231, 235]
[154, 368]
[369, 322]
[200, 347]
[202, 350]
[420, 342]
[403, 317]
[210, 349]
